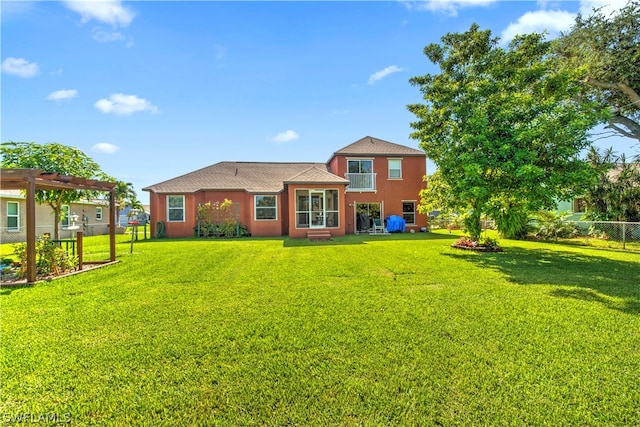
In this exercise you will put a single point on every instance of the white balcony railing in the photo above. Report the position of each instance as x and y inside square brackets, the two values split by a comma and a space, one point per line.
[361, 181]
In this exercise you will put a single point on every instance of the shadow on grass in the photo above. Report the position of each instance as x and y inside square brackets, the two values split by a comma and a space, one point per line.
[594, 277]
[360, 239]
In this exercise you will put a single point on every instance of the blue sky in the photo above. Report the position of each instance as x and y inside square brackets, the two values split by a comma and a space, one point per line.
[152, 90]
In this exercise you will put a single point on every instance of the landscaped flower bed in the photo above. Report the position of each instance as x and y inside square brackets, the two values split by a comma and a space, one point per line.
[485, 245]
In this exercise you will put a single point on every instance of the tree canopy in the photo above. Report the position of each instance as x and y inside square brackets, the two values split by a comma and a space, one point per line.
[604, 50]
[503, 126]
[53, 157]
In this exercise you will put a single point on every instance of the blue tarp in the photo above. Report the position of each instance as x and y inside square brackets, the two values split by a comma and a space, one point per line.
[395, 224]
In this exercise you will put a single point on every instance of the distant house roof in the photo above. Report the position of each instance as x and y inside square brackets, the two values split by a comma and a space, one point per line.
[373, 146]
[253, 177]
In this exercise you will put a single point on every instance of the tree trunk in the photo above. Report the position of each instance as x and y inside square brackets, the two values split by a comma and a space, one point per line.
[56, 222]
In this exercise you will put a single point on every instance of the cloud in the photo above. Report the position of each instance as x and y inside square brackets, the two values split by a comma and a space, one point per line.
[20, 67]
[448, 7]
[607, 6]
[551, 21]
[59, 95]
[105, 147]
[124, 105]
[110, 12]
[106, 36]
[286, 136]
[379, 75]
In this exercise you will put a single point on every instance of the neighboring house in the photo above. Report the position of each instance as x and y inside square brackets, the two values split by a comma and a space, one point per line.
[93, 217]
[576, 208]
[369, 179]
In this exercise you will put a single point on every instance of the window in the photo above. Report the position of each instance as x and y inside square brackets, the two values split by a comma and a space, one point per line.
[409, 212]
[266, 207]
[65, 213]
[395, 168]
[13, 216]
[175, 208]
[360, 166]
[98, 213]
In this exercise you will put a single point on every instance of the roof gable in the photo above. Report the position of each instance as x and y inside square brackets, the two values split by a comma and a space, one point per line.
[377, 147]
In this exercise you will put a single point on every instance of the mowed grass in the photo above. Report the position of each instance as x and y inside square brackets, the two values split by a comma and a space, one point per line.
[380, 330]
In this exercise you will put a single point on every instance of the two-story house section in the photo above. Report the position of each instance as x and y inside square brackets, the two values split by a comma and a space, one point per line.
[384, 179]
[362, 182]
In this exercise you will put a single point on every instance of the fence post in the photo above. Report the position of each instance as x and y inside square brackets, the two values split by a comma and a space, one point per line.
[79, 237]
[624, 235]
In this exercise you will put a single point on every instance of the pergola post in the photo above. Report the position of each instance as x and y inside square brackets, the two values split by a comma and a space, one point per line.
[112, 226]
[31, 230]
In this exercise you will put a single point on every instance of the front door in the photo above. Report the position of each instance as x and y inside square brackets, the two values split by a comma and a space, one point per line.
[317, 209]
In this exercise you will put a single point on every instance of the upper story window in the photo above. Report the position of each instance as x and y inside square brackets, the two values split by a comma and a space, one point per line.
[395, 168]
[175, 208]
[98, 213]
[360, 174]
[13, 216]
[266, 207]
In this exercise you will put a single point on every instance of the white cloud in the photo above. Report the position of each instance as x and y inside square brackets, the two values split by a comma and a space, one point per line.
[110, 12]
[448, 7]
[105, 147]
[124, 105]
[59, 95]
[607, 6]
[106, 36]
[20, 67]
[551, 21]
[379, 75]
[286, 136]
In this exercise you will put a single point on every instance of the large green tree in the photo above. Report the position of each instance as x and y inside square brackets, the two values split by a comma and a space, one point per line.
[503, 127]
[604, 49]
[53, 157]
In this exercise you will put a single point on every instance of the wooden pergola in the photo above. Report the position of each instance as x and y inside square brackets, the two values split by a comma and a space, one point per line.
[31, 180]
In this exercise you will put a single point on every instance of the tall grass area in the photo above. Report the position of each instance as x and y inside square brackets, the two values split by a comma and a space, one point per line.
[380, 330]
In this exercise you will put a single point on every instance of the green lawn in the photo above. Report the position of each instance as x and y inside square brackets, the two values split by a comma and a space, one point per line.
[380, 330]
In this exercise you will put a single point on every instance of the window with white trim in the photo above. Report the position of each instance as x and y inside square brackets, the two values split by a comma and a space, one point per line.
[409, 212]
[395, 168]
[65, 213]
[266, 207]
[13, 216]
[98, 213]
[175, 209]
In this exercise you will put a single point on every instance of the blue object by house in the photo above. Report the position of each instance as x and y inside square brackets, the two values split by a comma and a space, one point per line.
[395, 224]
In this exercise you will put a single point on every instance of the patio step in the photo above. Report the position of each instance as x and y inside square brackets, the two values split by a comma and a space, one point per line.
[318, 235]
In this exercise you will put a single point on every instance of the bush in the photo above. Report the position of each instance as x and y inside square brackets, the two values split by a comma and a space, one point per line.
[551, 225]
[50, 258]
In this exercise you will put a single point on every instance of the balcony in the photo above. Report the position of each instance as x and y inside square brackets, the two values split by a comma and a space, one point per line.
[361, 181]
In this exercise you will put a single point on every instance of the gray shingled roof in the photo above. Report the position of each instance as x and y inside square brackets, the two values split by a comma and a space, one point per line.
[254, 177]
[373, 146]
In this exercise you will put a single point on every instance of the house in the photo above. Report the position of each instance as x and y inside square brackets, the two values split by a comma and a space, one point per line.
[367, 180]
[93, 217]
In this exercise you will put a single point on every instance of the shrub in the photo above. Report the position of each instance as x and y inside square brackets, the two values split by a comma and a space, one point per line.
[50, 258]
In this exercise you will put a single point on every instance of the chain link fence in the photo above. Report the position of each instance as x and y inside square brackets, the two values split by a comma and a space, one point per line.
[622, 233]
[613, 234]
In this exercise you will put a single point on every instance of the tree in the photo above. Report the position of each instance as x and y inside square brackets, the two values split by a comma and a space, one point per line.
[615, 194]
[604, 49]
[53, 157]
[125, 195]
[503, 127]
